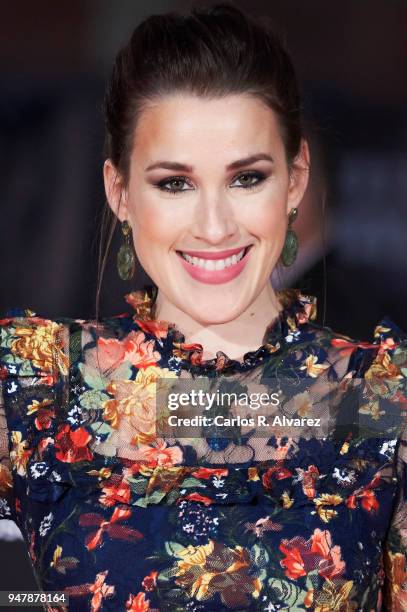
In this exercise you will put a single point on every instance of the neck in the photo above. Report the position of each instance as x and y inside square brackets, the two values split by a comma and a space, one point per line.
[235, 338]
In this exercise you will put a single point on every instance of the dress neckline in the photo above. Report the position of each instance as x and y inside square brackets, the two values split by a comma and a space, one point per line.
[297, 309]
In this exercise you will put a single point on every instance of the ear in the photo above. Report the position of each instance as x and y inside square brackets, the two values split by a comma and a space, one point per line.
[115, 190]
[299, 175]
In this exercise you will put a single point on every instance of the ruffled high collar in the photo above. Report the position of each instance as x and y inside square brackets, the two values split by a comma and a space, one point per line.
[297, 309]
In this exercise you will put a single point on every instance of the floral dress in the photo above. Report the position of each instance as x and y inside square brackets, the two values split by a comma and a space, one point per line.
[120, 517]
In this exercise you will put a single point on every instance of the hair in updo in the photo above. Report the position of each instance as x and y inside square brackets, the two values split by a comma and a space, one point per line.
[210, 52]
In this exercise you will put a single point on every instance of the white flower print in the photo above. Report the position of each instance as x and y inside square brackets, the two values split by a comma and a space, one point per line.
[46, 524]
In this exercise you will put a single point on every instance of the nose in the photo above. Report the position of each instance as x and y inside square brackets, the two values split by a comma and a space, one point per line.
[214, 220]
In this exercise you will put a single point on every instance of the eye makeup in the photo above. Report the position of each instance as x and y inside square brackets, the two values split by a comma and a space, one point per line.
[255, 175]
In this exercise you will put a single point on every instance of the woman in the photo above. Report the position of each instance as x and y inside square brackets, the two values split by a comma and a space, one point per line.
[123, 508]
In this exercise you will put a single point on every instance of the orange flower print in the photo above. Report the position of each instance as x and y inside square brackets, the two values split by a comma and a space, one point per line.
[160, 454]
[134, 348]
[115, 489]
[39, 345]
[312, 366]
[322, 504]
[396, 596]
[383, 367]
[336, 597]
[20, 453]
[99, 591]
[133, 409]
[137, 603]
[215, 568]
[44, 415]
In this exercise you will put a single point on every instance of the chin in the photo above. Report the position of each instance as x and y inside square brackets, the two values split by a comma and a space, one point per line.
[215, 314]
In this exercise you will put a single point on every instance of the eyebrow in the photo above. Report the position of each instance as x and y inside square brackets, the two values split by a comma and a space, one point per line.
[239, 163]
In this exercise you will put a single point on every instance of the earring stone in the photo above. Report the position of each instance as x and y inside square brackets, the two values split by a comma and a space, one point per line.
[290, 248]
[126, 260]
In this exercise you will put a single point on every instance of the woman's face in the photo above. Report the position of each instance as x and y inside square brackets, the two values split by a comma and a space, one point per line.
[208, 176]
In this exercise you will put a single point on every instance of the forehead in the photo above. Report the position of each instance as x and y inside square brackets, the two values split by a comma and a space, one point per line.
[181, 123]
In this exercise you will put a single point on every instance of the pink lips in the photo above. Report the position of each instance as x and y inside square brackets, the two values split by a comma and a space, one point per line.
[215, 277]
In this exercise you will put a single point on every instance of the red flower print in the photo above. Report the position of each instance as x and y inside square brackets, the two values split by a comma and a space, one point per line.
[205, 473]
[304, 556]
[94, 539]
[159, 329]
[116, 489]
[293, 562]
[309, 478]
[385, 345]
[44, 419]
[150, 581]
[133, 467]
[197, 497]
[262, 525]
[278, 472]
[366, 495]
[44, 415]
[44, 442]
[72, 445]
[347, 347]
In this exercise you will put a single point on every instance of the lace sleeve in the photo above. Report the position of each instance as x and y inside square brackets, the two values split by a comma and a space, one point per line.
[386, 377]
[6, 481]
[395, 550]
[33, 366]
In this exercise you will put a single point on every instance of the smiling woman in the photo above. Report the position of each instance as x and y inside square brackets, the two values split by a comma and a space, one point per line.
[234, 198]
[297, 504]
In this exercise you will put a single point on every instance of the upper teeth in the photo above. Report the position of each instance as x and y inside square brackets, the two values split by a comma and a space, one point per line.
[214, 264]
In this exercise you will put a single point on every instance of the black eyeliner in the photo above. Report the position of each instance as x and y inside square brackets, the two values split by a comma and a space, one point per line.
[255, 173]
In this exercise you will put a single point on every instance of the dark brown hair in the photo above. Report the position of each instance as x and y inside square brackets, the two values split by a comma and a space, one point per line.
[211, 52]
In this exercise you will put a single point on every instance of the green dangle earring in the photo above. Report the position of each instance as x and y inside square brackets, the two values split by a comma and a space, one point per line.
[126, 259]
[290, 248]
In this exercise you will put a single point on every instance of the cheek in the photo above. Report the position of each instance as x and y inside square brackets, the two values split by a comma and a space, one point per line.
[268, 223]
[155, 225]
[266, 215]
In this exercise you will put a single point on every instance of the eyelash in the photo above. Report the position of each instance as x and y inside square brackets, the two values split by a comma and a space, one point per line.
[253, 173]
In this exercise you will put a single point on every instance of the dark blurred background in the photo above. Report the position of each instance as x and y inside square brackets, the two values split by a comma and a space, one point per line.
[350, 59]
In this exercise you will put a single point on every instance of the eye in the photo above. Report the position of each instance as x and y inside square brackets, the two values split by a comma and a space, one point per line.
[246, 179]
[176, 181]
